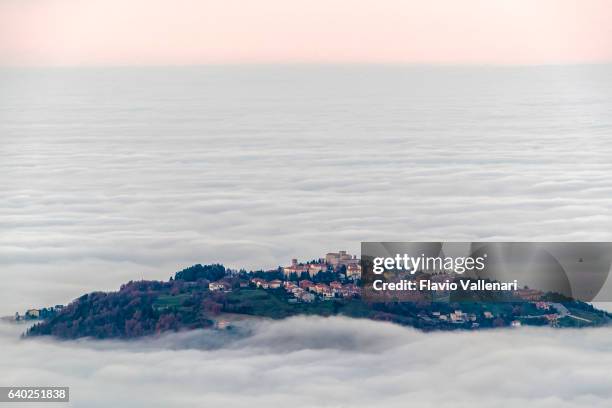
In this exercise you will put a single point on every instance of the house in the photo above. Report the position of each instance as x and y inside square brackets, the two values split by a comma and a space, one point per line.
[299, 268]
[289, 286]
[320, 288]
[328, 294]
[315, 268]
[347, 291]
[351, 290]
[295, 267]
[335, 285]
[219, 286]
[515, 323]
[307, 297]
[260, 283]
[488, 315]
[222, 324]
[275, 284]
[32, 314]
[353, 271]
[343, 292]
[457, 316]
[305, 284]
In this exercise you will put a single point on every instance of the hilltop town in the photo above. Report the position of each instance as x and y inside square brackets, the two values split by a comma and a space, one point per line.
[201, 295]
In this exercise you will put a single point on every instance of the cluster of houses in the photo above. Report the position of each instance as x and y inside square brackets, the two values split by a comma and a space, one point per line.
[346, 266]
[308, 291]
[459, 316]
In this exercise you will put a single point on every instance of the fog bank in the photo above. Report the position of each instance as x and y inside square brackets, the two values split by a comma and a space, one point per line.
[325, 362]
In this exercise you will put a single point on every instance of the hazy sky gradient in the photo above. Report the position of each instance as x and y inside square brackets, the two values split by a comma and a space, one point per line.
[120, 32]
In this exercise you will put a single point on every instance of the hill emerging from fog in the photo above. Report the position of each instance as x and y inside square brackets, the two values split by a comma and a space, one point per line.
[203, 296]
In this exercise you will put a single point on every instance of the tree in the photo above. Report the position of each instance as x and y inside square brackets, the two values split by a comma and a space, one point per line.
[193, 273]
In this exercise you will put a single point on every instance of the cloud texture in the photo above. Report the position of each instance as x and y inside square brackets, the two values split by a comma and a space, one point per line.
[334, 362]
[118, 174]
[108, 175]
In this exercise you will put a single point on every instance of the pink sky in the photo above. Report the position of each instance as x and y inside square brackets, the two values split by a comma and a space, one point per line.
[120, 32]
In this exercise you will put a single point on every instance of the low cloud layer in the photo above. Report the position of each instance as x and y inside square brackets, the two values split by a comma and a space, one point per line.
[333, 362]
[118, 174]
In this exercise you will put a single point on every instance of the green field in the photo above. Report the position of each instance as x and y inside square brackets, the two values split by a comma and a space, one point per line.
[169, 301]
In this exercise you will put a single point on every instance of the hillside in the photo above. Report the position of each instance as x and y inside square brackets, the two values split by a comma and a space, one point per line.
[197, 296]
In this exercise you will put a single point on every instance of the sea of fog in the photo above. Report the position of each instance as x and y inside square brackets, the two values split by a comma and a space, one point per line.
[113, 174]
[317, 362]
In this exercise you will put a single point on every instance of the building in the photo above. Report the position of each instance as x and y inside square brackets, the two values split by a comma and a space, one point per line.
[222, 324]
[305, 284]
[260, 283]
[353, 271]
[219, 286]
[340, 258]
[296, 268]
[320, 288]
[335, 285]
[315, 268]
[457, 316]
[349, 290]
[307, 297]
[32, 314]
[275, 284]
[289, 286]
